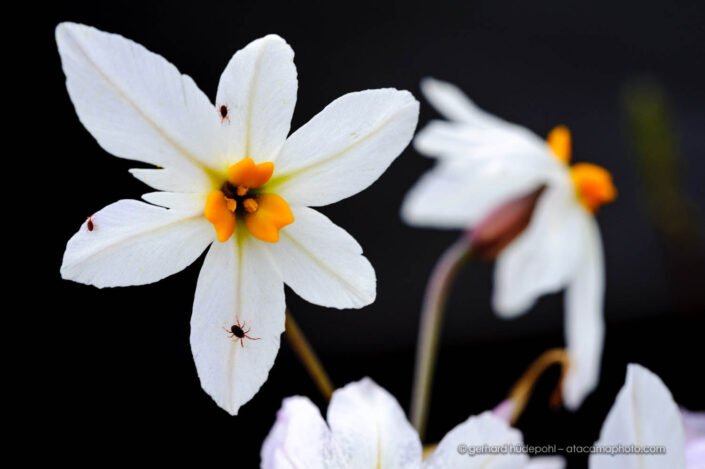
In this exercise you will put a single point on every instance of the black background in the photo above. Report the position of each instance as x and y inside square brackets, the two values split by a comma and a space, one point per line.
[117, 377]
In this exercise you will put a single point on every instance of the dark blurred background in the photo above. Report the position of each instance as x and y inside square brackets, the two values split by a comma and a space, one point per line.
[627, 77]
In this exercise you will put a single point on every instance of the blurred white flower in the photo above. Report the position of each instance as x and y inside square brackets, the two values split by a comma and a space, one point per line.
[526, 206]
[367, 428]
[694, 428]
[645, 414]
[230, 178]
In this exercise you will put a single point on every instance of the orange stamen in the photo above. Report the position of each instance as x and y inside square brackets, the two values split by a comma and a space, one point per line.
[593, 185]
[272, 214]
[560, 142]
[220, 211]
[245, 174]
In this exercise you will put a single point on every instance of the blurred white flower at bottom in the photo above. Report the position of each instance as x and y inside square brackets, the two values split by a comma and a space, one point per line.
[694, 426]
[644, 414]
[366, 428]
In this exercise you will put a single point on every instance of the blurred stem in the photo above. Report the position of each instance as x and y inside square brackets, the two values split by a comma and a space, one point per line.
[434, 304]
[428, 450]
[521, 391]
[308, 357]
[662, 167]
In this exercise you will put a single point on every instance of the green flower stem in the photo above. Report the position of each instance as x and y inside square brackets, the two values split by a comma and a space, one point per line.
[434, 304]
[308, 357]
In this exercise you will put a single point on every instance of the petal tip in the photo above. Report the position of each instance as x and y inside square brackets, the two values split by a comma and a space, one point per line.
[62, 33]
[430, 85]
[275, 40]
[273, 37]
[410, 98]
[368, 383]
[427, 82]
[369, 294]
[507, 309]
[66, 29]
[64, 271]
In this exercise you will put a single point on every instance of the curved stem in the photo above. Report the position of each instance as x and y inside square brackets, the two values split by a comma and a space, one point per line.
[308, 357]
[521, 391]
[434, 303]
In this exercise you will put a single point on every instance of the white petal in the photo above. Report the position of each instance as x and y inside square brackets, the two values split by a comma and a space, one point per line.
[693, 423]
[450, 101]
[544, 258]
[170, 179]
[644, 413]
[546, 462]
[136, 104]
[442, 138]
[460, 192]
[237, 283]
[481, 166]
[183, 201]
[585, 327]
[346, 147]
[371, 429]
[133, 243]
[476, 431]
[322, 263]
[259, 89]
[300, 439]
[484, 163]
[505, 409]
[472, 130]
[695, 455]
[694, 430]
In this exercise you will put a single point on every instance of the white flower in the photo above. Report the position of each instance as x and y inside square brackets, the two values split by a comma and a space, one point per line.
[644, 414]
[228, 171]
[367, 428]
[694, 428]
[496, 178]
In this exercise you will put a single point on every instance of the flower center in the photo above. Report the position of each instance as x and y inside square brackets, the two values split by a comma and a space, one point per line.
[243, 196]
[593, 184]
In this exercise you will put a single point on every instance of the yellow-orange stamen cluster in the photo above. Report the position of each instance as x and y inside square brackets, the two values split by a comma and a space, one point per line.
[264, 213]
[593, 184]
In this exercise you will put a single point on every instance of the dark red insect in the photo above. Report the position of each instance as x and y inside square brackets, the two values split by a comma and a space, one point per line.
[89, 223]
[240, 332]
[223, 110]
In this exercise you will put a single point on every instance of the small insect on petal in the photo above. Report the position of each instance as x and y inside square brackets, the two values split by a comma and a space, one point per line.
[89, 223]
[223, 110]
[240, 332]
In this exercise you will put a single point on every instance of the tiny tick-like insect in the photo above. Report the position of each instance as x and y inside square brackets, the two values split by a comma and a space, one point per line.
[89, 223]
[240, 332]
[223, 110]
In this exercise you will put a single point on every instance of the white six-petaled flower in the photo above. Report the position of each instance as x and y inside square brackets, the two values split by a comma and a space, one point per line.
[366, 428]
[490, 171]
[228, 176]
